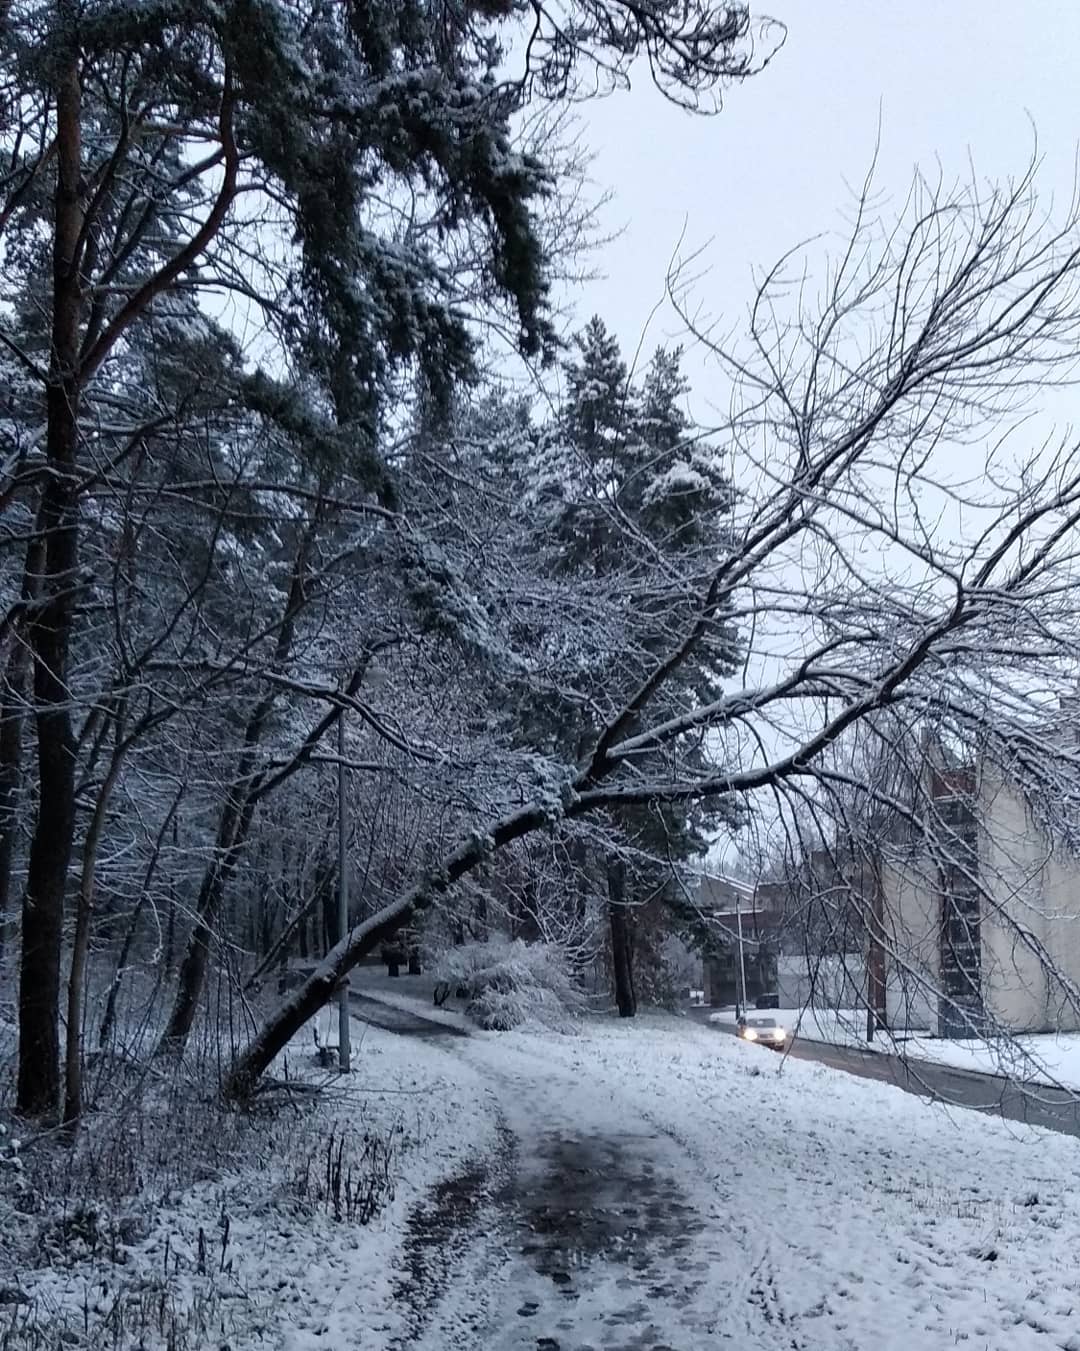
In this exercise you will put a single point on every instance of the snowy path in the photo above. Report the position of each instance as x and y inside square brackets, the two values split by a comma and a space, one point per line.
[660, 1187]
[592, 1237]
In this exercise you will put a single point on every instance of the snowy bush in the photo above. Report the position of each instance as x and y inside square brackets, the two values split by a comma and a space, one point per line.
[507, 983]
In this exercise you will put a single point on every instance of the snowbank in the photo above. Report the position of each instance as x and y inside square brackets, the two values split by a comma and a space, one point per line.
[1048, 1058]
[1045, 1058]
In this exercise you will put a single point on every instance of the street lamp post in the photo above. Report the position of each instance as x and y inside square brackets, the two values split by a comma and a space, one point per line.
[344, 1048]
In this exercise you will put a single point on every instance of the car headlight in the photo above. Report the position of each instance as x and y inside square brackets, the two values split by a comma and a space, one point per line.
[779, 1034]
[749, 1034]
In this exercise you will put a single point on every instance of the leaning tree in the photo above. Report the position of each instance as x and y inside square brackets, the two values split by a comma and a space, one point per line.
[891, 550]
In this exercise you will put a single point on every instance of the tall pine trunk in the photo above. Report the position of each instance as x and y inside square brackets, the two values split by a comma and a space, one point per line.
[622, 957]
[12, 717]
[10, 782]
[81, 941]
[49, 632]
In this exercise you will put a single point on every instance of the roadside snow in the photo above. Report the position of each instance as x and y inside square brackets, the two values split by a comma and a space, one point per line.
[1043, 1058]
[342, 1291]
[254, 1256]
[1050, 1058]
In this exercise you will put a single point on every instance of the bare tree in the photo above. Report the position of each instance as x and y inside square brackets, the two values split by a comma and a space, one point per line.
[880, 560]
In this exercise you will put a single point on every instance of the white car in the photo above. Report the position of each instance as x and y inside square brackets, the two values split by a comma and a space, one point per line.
[767, 1031]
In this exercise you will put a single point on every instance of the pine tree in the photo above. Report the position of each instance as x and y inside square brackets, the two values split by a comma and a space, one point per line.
[341, 180]
[627, 487]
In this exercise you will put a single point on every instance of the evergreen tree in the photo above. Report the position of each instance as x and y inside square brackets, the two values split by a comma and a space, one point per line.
[628, 488]
[339, 182]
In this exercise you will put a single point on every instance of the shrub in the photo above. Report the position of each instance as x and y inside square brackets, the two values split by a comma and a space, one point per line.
[507, 983]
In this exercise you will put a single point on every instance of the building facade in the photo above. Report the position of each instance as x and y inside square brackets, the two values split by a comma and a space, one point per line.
[982, 916]
[732, 908]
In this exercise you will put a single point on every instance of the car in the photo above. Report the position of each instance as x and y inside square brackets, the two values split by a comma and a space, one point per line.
[766, 1031]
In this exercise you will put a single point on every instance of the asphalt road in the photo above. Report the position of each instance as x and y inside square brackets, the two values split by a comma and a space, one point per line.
[1055, 1108]
[390, 1018]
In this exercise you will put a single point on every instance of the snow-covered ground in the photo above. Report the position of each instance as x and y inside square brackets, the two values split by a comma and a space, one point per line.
[160, 1269]
[641, 1184]
[837, 1213]
[1045, 1058]
[818, 1211]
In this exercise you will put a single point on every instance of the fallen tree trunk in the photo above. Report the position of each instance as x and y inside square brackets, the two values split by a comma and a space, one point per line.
[586, 793]
[319, 987]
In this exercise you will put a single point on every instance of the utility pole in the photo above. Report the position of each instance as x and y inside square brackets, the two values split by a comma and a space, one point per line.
[344, 1049]
[741, 1012]
[877, 1007]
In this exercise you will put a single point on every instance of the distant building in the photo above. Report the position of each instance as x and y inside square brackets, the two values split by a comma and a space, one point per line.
[983, 915]
[804, 940]
[969, 924]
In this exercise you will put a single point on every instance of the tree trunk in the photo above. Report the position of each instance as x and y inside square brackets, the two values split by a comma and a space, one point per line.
[876, 1001]
[16, 691]
[319, 988]
[81, 942]
[49, 631]
[294, 1012]
[193, 968]
[10, 782]
[329, 918]
[109, 1017]
[168, 959]
[267, 922]
[621, 952]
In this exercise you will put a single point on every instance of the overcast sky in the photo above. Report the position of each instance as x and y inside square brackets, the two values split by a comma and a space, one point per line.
[775, 165]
